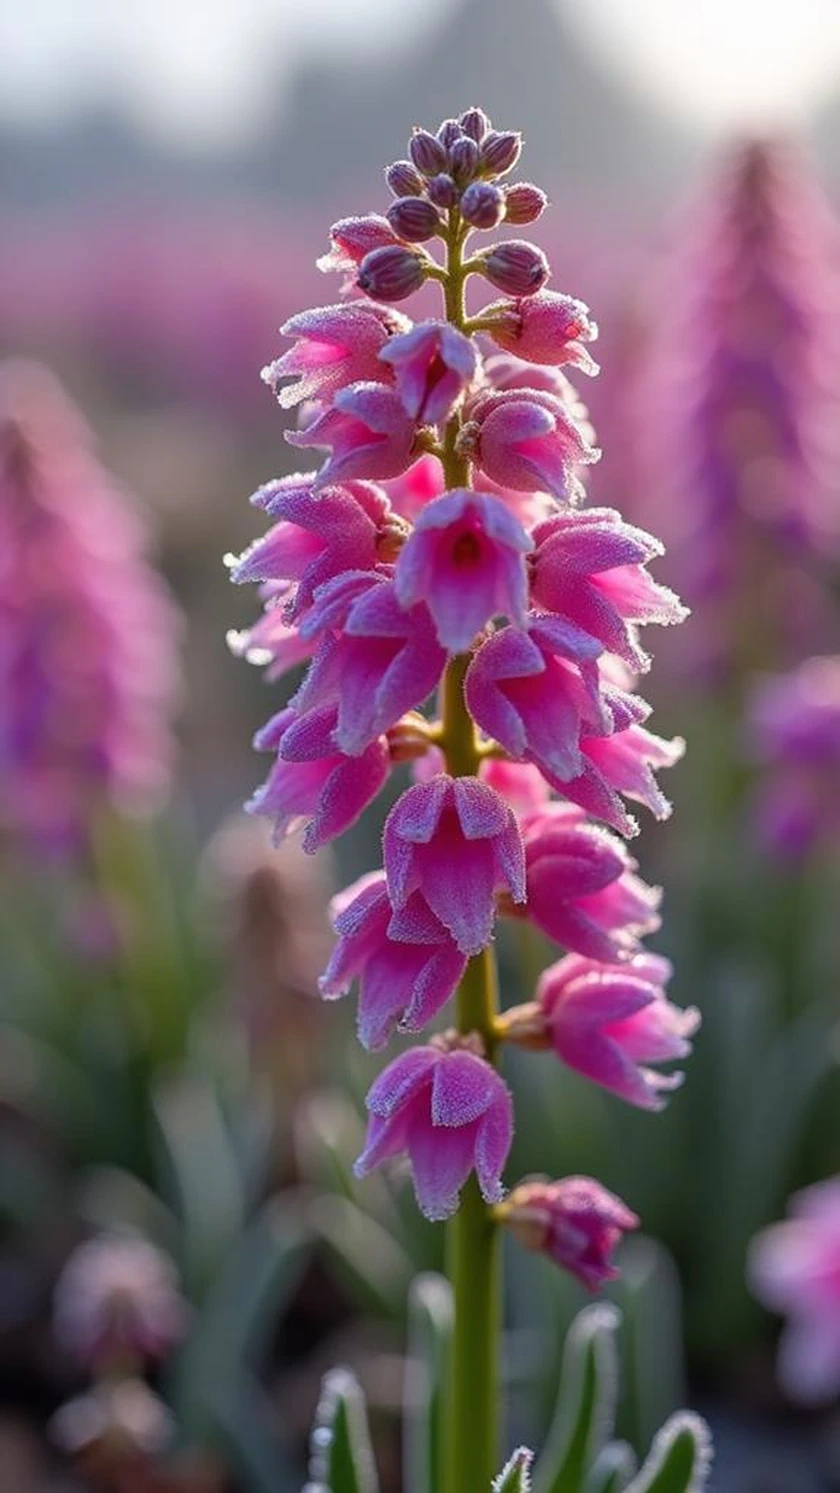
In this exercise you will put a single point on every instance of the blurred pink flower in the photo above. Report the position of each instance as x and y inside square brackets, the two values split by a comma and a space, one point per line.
[117, 1300]
[794, 1269]
[793, 732]
[87, 660]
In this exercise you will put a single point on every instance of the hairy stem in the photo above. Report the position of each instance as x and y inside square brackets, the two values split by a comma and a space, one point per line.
[471, 1442]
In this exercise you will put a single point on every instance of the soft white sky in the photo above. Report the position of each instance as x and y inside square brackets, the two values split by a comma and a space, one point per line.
[197, 67]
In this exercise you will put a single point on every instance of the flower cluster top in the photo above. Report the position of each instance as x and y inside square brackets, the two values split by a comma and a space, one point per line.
[440, 547]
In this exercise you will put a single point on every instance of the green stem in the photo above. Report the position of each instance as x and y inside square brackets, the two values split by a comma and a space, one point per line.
[473, 1255]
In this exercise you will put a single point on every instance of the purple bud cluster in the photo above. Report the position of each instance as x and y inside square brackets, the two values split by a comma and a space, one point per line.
[459, 167]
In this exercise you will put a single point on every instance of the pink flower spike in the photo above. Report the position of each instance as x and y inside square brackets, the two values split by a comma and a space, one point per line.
[526, 439]
[320, 535]
[455, 841]
[367, 431]
[544, 328]
[385, 661]
[452, 1113]
[588, 566]
[402, 982]
[312, 784]
[335, 346]
[465, 558]
[582, 890]
[609, 1023]
[533, 691]
[433, 365]
[576, 1221]
[793, 1269]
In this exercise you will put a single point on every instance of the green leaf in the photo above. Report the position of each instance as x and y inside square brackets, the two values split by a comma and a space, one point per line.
[613, 1470]
[364, 1254]
[585, 1410]
[430, 1318]
[515, 1476]
[203, 1175]
[239, 1313]
[342, 1458]
[679, 1459]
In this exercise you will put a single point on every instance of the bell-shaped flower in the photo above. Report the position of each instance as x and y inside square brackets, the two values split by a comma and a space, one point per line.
[527, 439]
[402, 982]
[582, 890]
[334, 346]
[319, 535]
[449, 1110]
[434, 364]
[375, 659]
[367, 431]
[588, 566]
[575, 1221]
[544, 328]
[312, 783]
[533, 690]
[611, 1022]
[465, 558]
[457, 842]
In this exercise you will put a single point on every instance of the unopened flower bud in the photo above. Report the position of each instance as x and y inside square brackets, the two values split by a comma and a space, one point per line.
[500, 151]
[442, 191]
[391, 273]
[516, 267]
[427, 153]
[414, 219]
[449, 133]
[524, 202]
[483, 205]
[404, 180]
[409, 738]
[352, 238]
[475, 123]
[463, 160]
[575, 1221]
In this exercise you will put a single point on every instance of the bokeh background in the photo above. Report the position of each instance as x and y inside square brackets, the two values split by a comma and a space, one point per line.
[168, 175]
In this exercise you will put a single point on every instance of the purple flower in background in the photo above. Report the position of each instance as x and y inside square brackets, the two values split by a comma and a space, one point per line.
[794, 1269]
[117, 1299]
[793, 731]
[736, 411]
[87, 657]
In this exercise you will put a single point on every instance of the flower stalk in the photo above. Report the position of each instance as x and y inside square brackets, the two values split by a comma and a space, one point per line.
[473, 1256]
